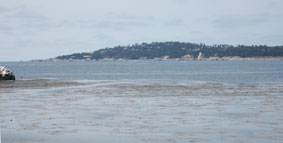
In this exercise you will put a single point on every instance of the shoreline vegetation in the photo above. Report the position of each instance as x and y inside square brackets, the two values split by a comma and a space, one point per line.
[163, 59]
[176, 51]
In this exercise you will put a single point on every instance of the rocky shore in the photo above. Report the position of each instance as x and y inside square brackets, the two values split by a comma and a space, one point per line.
[6, 74]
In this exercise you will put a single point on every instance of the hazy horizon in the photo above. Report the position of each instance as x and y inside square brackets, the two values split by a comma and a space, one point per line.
[36, 29]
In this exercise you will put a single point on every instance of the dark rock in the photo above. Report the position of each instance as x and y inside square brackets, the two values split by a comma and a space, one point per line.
[6, 74]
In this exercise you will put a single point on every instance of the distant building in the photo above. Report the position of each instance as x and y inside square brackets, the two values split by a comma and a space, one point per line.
[187, 57]
[200, 56]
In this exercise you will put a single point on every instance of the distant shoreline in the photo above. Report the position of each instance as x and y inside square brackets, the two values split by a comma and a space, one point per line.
[176, 59]
[177, 51]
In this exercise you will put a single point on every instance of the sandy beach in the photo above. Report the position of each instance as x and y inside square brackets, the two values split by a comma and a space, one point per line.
[48, 110]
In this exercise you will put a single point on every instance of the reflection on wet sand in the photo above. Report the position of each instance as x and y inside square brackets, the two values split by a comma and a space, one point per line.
[109, 111]
[37, 83]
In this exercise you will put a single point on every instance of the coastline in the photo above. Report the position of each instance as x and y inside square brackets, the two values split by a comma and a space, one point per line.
[172, 59]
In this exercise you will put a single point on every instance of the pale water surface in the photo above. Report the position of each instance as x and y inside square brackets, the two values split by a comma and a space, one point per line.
[155, 102]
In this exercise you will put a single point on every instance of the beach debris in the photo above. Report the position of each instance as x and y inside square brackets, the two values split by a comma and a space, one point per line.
[6, 74]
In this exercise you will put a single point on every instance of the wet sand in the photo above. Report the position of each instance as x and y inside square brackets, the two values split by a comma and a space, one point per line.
[47, 111]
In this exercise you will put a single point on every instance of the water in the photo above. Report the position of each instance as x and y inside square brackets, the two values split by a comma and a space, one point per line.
[143, 102]
[174, 71]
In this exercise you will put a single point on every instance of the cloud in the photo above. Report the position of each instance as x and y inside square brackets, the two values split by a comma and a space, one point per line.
[118, 23]
[175, 22]
[233, 22]
[249, 26]
[22, 19]
[65, 26]
[5, 28]
[3, 10]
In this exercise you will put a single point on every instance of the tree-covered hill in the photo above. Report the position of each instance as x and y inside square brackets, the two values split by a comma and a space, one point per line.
[176, 50]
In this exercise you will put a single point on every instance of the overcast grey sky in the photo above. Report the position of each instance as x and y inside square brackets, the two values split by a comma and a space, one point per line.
[40, 29]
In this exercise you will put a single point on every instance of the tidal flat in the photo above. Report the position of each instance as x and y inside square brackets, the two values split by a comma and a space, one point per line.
[68, 111]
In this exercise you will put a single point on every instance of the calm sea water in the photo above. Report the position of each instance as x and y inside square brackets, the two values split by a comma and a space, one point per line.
[172, 71]
[143, 102]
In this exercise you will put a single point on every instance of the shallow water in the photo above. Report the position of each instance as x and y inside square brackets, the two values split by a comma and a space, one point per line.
[163, 71]
[110, 111]
[157, 109]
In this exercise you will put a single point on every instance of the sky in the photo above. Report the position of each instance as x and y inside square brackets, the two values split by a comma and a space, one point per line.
[42, 29]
